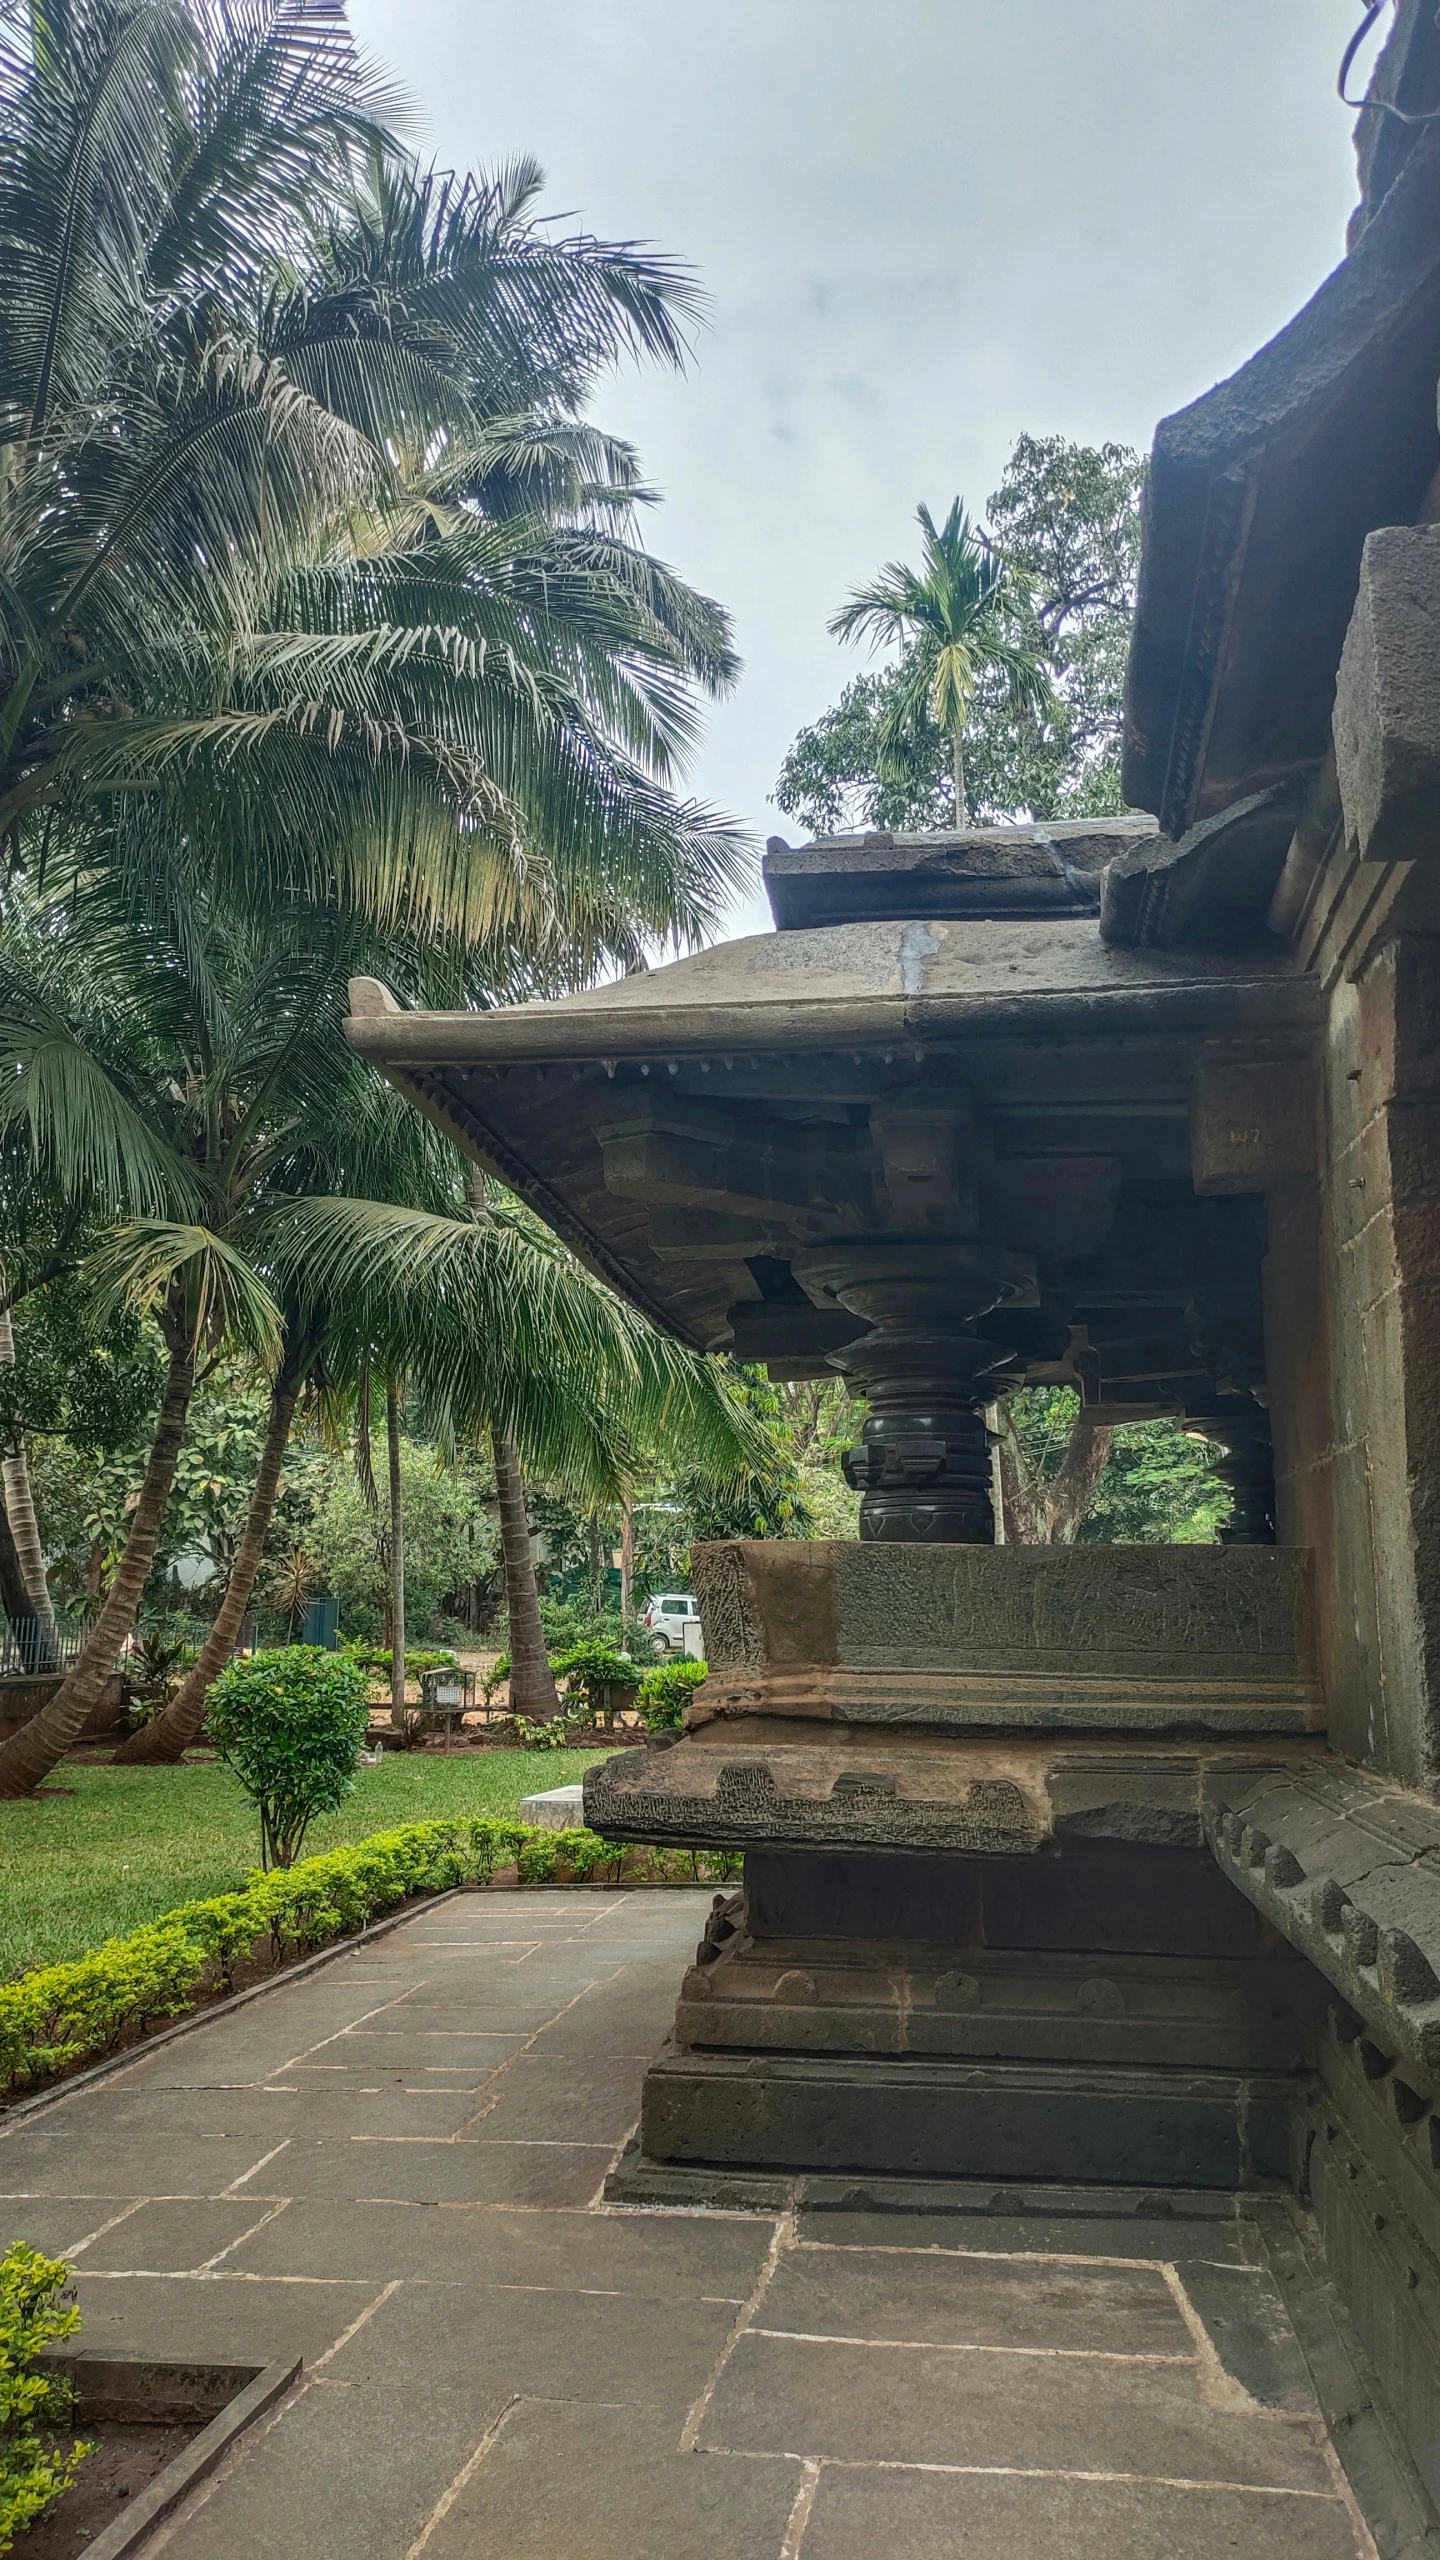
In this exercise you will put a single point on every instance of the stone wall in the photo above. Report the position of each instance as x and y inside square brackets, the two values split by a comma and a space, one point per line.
[1352, 1337]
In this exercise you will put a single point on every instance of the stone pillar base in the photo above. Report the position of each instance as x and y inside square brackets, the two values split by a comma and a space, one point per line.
[1107, 2013]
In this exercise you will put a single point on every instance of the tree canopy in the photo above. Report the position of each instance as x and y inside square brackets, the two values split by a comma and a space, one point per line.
[1066, 519]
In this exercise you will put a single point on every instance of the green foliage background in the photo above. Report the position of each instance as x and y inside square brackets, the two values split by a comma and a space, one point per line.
[1069, 515]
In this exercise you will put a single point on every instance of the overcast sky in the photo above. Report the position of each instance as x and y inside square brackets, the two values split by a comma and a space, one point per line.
[924, 226]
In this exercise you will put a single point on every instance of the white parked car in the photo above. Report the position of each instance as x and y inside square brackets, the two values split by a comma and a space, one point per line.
[673, 1619]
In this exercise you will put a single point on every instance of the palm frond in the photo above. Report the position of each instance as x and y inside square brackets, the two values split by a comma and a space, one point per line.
[227, 1305]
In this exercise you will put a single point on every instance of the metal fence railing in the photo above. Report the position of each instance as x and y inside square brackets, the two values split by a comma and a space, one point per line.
[30, 1646]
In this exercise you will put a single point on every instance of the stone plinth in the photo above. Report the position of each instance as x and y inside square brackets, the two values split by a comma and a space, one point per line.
[1049, 1639]
[980, 1933]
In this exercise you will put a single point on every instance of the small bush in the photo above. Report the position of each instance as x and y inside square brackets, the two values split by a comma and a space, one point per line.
[554, 1736]
[34, 2403]
[595, 1671]
[289, 1724]
[666, 1691]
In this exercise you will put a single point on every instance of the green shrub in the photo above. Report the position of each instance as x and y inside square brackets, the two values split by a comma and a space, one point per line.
[34, 2403]
[666, 1691]
[289, 1724]
[594, 1671]
[553, 1736]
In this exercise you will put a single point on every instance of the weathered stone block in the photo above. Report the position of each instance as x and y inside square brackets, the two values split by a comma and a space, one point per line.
[1387, 699]
[1252, 1123]
[928, 2117]
[956, 1638]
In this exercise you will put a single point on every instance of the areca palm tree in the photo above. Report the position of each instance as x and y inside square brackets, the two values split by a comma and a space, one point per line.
[957, 618]
[167, 1061]
[505, 1338]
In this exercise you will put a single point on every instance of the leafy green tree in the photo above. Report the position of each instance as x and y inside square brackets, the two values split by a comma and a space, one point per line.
[1159, 1488]
[1068, 517]
[508, 1342]
[450, 1536]
[960, 618]
[307, 541]
[1141, 1484]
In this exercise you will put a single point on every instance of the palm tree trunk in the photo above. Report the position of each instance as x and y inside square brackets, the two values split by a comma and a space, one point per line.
[14, 1589]
[165, 1736]
[397, 1561]
[38, 1643]
[532, 1682]
[957, 768]
[32, 1753]
[627, 1563]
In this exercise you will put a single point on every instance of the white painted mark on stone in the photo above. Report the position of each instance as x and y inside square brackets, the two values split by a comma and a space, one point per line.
[971, 2347]
[466, 2472]
[1219, 2387]
[781, 2239]
[74, 2247]
[799, 2515]
[247, 2174]
[207, 2265]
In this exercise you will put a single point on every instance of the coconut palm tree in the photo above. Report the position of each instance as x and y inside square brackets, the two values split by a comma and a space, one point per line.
[253, 363]
[166, 1059]
[959, 617]
[504, 1338]
[204, 1297]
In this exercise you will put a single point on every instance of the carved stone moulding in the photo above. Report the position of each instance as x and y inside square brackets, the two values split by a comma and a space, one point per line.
[782, 1786]
[974, 1639]
[816, 1796]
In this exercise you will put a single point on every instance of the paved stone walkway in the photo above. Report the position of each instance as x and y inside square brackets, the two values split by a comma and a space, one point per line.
[393, 2169]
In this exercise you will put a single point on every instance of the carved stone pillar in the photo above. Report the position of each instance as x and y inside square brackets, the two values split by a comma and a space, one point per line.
[922, 1463]
[1248, 1467]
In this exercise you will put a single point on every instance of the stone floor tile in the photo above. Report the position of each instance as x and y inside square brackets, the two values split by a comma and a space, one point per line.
[1152, 2240]
[857, 2515]
[130, 2118]
[566, 2097]
[1245, 2319]
[342, 2474]
[485, 2246]
[394, 2103]
[979, 2301]
[641, 2501]
[53, 2224]
[412, 2049]
[170, 2238]
[1052, 2412]
[84, 2161]
[561, 2346]
[216, 2319]
[470, 2172]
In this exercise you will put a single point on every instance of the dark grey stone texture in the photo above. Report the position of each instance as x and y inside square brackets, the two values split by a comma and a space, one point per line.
[1348, 1869]
[932, 2117]
[959, 1637]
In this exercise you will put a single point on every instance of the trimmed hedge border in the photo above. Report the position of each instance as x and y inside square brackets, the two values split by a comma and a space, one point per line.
[57, 2014]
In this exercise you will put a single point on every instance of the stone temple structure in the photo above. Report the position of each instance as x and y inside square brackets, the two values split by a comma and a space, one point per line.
[1088, 1864]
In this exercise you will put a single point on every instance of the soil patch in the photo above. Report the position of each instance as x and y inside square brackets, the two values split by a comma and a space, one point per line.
[125, 2460]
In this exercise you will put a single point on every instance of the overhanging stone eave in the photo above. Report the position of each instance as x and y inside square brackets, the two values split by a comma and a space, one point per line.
[1262, 994]
[486, 1147]
[1330, 425]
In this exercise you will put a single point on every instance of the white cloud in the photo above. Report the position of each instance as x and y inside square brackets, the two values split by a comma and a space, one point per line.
[924, 226]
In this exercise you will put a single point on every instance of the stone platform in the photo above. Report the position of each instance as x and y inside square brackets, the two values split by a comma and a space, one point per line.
[393, 2168]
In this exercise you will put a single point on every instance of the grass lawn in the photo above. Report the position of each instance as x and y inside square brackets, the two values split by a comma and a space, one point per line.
[130, 1843]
